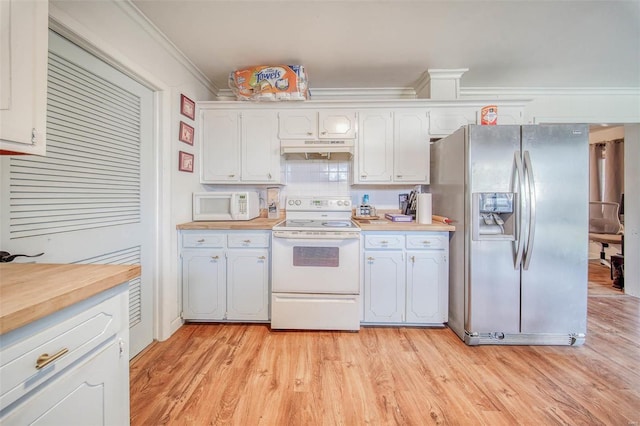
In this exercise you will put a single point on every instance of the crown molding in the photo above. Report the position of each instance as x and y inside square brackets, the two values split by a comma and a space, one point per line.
[489, 92]
[379, 93]
[136, 14]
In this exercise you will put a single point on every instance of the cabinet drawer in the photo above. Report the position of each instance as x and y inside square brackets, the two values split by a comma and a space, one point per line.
[203, 240]
[74, 333]
[241, 240]
[384, 241]
[427, 241]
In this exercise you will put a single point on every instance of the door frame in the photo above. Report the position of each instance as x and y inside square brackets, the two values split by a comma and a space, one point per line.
[77, 34]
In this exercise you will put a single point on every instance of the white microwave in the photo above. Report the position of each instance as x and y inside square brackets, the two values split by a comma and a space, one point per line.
[225, 205]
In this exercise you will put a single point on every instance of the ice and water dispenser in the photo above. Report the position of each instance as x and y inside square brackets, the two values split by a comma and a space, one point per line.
[493, 216]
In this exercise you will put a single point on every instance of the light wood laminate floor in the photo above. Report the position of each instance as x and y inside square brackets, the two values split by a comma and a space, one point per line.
[215, 374]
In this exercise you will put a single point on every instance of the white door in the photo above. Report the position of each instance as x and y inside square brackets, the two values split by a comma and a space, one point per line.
[90, 199]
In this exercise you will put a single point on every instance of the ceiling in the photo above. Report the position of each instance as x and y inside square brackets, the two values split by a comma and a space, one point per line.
[392, 43]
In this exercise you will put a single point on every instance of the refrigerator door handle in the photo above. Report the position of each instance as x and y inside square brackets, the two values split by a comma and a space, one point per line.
[521, 202]
[532, 209]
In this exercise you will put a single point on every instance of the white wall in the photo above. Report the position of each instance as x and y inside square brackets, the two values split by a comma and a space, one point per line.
[115, 32]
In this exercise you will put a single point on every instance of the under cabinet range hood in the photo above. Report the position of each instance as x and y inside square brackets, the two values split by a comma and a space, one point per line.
[313, 149]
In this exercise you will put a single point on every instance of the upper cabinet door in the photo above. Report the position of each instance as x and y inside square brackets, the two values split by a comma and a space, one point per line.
[374, 157]
[411, 147]
[301, 124]
[220, 145]
[23, 76]
[260, 147]
[336, 124]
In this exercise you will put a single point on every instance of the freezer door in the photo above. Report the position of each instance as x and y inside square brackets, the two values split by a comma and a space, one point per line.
[554, 276]
[492, 280]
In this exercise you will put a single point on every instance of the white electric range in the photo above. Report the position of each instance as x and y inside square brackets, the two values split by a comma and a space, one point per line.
[316, 266]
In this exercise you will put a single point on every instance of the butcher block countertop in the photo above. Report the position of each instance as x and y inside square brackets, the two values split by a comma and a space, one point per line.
[387, 225]
[259, 223]
[31, 291]
[263, 223]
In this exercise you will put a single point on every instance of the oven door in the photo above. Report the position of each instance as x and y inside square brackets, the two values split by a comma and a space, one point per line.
[320, 266]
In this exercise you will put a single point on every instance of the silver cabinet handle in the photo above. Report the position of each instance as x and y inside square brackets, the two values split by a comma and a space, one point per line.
[384, 242]
[309, 133]
[426, 242]
[201, 240]
[215, 257]
[413, 259]
[46, 359]
[262, 257]
[246, 241]
[370, 259]
[323, 133]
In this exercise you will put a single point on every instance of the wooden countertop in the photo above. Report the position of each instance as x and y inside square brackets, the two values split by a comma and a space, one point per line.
[263, 223]
[31, 291]
[376, 225]
[259, 223]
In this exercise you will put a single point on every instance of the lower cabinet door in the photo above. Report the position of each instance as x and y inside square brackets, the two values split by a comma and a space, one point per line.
[248, 285]
[92, 393]
[426, 287]
[384, 286]
[203, 284]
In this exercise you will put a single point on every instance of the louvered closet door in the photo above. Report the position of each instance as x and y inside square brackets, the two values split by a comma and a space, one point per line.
[89, 199]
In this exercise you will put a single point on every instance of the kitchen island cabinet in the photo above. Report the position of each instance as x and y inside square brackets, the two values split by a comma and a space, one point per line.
[406, 278]
[64, 347]
[225, 275]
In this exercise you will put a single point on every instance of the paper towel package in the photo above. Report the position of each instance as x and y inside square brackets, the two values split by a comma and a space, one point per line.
[270, 83]
[424, 209]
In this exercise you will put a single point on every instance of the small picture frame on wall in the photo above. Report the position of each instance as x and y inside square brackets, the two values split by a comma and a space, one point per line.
[186, 133]
[187, 107]
[185, 162]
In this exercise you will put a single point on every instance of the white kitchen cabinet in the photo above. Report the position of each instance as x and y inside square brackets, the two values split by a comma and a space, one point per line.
[229, 282]
[406, 278]
[248, 284]
[373, 162]
[23, 75]
[220, 146]
[260, 147]
[384, 286]
[88, 383]
[204, 284]
[411, 151]
[239, 146]
[393, 147]
[313, 124]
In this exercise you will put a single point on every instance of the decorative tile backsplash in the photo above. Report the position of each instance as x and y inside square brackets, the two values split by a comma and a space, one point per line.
[320, 177]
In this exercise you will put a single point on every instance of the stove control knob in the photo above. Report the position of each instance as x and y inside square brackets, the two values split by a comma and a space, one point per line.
[347, 202]
[290, 202]
[340, 202]
[298, 202]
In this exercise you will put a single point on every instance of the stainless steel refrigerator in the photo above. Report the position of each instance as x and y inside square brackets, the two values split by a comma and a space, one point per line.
[518, 196]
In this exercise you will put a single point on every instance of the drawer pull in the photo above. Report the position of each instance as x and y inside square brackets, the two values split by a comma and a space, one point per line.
[46, 359]
[427, 242]
[370, 259]
[384, 242]
[201, 240]
[262, 257]
[246, 241]
[215, 257]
